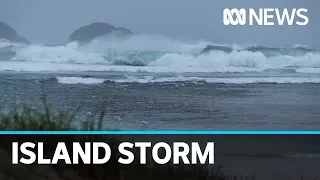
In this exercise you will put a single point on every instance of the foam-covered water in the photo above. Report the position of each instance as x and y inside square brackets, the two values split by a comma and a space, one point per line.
[242, 80]
[157, 54]
[152, 79]
[79, 80]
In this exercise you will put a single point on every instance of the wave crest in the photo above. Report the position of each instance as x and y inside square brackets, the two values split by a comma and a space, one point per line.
[165, 54]
[79, 80]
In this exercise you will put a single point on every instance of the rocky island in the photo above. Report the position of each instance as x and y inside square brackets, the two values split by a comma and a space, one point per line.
[87, 33]
[8, 33]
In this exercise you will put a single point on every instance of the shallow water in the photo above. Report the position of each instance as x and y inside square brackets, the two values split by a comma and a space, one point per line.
[185, 105]
[193, 105]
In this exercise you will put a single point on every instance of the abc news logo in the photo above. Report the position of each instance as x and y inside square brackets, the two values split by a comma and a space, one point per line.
[265, 16]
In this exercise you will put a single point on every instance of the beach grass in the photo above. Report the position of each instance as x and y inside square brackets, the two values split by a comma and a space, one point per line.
[31, 119]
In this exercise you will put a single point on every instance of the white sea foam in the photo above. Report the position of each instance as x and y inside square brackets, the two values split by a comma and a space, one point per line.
[71, 53]
[146, 42]
[5, 43]
[309, 70]
[229, 80]
[58, 67]
[149, 54]
[79, 80]
[225, 80]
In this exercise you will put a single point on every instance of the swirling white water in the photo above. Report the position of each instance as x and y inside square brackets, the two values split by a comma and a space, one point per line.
[157, 54]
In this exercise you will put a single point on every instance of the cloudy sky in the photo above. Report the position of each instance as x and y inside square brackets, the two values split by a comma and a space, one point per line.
[52, 21]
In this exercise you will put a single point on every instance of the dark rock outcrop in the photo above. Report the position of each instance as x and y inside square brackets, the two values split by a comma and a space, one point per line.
[8, 33]
[87, 33]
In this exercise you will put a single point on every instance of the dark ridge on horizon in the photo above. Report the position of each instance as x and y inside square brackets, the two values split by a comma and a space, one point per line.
[8, 33]
[86, 34]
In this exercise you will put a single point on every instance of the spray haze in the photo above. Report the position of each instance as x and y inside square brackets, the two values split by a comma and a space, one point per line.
[166, 39]
[156, 54]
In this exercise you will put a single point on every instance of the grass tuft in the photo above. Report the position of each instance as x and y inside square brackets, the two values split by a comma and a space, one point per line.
[31, 119]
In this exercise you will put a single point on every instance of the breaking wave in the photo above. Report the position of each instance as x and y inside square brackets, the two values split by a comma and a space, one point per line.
[156, 54]
[242, 80]
[79, 80]
[196, 80]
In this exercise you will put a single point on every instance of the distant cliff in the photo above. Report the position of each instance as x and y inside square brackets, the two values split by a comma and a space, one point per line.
[8, 33]
[87, 33]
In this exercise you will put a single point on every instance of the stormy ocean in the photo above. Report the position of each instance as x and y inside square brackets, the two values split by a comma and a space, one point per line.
[162, 65]
[154, 82]
[157, 83]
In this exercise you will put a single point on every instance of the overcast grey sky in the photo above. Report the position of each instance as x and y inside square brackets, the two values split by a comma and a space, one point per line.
[52, 21]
